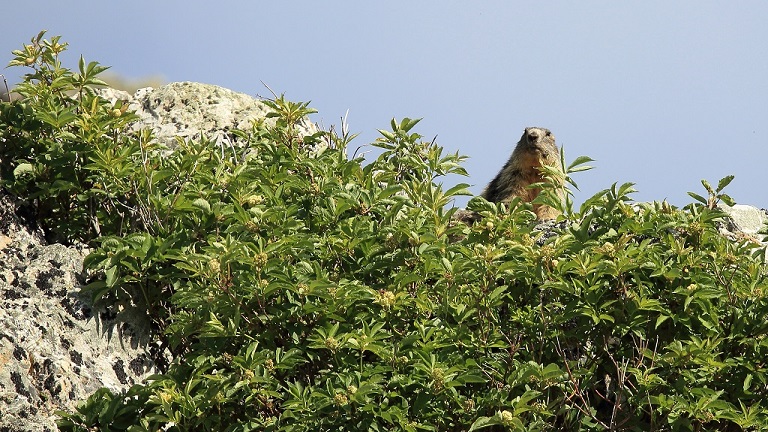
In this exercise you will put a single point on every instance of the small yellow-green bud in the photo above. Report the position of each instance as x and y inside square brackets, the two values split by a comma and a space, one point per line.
[340, 399]
[506, 417]
[269, 364]
[331, 343]
[386, 298]
[260, 259]
[214, 265]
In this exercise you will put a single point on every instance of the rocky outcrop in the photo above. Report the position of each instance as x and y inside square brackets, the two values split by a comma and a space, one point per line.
[55, 347]
[746, 223]
[744, 218]
[190, 110]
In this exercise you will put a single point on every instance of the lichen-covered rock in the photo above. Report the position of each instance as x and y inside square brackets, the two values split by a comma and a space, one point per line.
[745, 223]
[55, 348]
[746, 219]
[190, 110]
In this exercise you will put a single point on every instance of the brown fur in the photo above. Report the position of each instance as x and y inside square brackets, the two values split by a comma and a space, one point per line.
[536, 148]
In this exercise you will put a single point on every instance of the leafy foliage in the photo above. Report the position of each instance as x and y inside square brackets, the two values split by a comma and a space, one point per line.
[61, 142]
[303, 290]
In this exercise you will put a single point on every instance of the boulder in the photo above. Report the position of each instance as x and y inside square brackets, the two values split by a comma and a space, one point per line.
[747, 219]
[190, 110]
[56, 348]
[746, 223]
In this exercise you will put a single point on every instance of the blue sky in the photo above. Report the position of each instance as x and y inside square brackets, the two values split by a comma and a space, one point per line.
[659, 93]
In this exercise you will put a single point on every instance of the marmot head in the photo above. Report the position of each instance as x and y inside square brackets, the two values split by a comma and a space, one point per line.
[539, 140]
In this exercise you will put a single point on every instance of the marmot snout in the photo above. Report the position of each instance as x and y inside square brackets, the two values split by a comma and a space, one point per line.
[536, 148]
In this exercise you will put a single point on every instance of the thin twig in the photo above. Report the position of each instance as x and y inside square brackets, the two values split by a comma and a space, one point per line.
[576, 388]
[619, 392]
[7, 90]
[268, 88]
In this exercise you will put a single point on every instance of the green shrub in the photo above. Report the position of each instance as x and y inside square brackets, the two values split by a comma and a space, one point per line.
[306, 291]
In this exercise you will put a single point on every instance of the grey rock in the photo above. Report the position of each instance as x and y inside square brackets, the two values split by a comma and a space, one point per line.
[56, 348]
[746, 223]
[190, 110]
[746, 219]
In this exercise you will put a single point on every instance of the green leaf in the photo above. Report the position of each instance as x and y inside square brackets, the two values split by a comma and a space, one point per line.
[727, 199]
[470, 378]
[660, 320]
[747, 382]
[697, 197]
[484, 422]
[24, 172]
[202, 204]
[725, 181]
[459, 189]
[112, 276]
[578, 164]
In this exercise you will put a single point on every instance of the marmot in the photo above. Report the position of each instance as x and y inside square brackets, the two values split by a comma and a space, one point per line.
[536, 148]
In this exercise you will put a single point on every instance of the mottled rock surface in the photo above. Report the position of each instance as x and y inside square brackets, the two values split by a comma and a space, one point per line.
[55, 347]
[190, 110]
[746, 223]
[746, 219]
